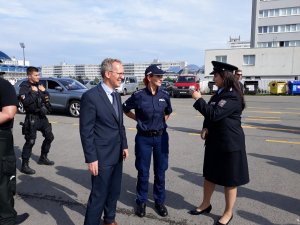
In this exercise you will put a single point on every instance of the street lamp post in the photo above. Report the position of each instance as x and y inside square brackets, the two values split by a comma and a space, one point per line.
[23, 47]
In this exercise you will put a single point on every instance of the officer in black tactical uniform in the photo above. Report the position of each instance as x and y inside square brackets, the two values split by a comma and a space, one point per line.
[36, 103]
[8, 109]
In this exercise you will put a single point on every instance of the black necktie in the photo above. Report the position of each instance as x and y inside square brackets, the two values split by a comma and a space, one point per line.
[115, 103]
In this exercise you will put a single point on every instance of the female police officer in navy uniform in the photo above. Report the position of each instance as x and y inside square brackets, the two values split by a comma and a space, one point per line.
[225, 160]
[152, 108]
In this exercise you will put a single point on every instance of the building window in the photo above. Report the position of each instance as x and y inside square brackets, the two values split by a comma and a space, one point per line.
[291, 11]
[249, 60]
[221, 58]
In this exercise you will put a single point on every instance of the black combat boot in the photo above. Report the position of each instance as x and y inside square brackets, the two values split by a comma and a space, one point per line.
[21, 218]
[26, 169]
[45, 161]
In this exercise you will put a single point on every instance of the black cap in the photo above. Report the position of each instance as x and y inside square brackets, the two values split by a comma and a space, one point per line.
[220, 66]
[154, 70]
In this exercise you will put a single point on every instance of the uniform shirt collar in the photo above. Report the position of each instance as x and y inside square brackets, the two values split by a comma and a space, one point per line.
[220, 90]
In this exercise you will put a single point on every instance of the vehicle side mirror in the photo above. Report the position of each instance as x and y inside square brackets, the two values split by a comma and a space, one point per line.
[127, 82]
[58, 88]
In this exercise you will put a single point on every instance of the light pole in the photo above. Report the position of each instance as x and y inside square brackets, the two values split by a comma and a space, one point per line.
[23, 47]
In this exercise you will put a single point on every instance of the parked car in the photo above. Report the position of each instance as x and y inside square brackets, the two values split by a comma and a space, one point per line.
[167, 86]
[65, 94]
[129, 85]
[183, 85]
[90, 84]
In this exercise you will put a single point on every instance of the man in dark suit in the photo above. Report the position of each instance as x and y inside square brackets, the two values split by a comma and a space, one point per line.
[104, 142]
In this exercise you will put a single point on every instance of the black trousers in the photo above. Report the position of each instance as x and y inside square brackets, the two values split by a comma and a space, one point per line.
[7, 178]
[34, 123]
[106, 189]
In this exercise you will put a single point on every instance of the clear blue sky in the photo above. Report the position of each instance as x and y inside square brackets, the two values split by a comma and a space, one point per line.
[87, 31]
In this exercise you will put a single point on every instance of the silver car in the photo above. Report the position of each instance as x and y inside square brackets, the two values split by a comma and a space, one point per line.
[65, 94]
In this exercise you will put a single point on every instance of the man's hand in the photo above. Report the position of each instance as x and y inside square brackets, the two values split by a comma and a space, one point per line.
[42, 88]
[125, 154]
[34, 88]
[93, 168]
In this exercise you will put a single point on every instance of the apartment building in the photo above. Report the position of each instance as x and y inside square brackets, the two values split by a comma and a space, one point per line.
[274, 47]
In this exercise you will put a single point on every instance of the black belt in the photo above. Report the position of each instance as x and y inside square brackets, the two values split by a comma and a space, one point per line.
[151, 133]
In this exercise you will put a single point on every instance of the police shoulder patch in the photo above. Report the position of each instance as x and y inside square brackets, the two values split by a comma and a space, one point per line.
[222, 103]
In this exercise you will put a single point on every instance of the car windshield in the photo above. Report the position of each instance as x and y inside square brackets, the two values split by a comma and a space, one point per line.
[186, 79]
[70, 84]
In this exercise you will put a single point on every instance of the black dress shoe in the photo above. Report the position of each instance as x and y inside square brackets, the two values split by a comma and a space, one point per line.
[141, 209]
[21, 218]
[161, 209]
[219, 223]
[197, 212]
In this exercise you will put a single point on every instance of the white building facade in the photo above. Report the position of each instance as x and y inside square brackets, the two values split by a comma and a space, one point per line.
[275, 23]
[275, 44]
[92, 71]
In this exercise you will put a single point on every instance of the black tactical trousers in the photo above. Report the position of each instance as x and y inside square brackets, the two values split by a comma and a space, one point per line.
[7, 178]
[32, 124]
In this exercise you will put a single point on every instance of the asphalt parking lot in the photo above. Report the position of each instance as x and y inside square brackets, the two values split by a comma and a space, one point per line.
[58, 194]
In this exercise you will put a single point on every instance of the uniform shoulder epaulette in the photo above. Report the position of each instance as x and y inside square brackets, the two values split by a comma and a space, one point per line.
[138, 91]
[25, 84]
[165, 92]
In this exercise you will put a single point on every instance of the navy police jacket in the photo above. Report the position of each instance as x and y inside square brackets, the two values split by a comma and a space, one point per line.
[150, 110]
[223, 120]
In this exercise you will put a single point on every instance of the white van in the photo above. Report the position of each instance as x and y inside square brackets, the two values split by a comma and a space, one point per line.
[128, 85]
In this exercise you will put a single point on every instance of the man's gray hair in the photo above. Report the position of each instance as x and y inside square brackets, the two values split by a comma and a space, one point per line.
[106, 65]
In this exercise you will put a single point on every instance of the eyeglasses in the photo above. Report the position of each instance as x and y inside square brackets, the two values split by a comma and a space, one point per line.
[119, 74]
[239, 74]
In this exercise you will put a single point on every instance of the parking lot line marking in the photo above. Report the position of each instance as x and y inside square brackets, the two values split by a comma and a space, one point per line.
[269, 120]
[269, 128]
[131, 128]
[195, 134]
[271, 112]
[284, 141]
[257, 108]
[75, 124]
[264, 117]
[293, 108]
[53, 122]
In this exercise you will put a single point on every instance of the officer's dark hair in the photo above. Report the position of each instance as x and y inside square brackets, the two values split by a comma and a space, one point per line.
[107, 65]
[31, 69]
[231, 82]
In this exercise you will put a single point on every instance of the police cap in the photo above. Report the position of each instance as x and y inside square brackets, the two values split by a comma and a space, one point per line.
[220, 66]
[154, 70]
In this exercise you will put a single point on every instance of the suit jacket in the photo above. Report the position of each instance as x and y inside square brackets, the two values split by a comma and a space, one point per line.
[102, 133]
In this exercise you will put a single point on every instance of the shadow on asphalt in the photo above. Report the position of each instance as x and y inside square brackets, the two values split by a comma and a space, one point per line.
[289, 164]
[127, 197]
[31, 189]
[184, 129]
[277, 127]
[256, 219]
[280, 201]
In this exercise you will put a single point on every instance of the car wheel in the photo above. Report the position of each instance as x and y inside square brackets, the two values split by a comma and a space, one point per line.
[124, 92]
[74, 108]
[21, 108]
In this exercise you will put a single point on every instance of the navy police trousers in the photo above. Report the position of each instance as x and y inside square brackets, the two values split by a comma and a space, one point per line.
[144, 146]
